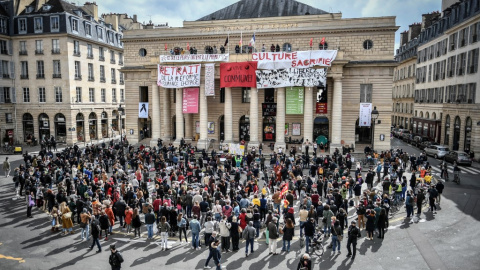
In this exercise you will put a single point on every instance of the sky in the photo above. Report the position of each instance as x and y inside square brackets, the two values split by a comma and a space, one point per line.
[176, 11]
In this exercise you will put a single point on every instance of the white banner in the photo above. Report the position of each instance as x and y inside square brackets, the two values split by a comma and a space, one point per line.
[307, 77]
[209, 80]
[179, 76]
[236, 149]
[143, 110]
[194, 58]
[365, 115]
[300, 59]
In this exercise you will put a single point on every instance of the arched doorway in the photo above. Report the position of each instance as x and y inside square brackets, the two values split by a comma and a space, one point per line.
[468, 134]
[115, 127]
[221, 125]
[104, 117]
[80, 119]
[446, 139]
[456, 134]
[92, 125]
[43, 127]
[320, 127]
[244, 128]
[362, 134]
[60, 127]
[28, 129]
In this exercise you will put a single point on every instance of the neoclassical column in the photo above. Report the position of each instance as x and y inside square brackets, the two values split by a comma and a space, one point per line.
[188, 127]
[166, 129]
[228, 115]
[203, 141]
[254, 141]
[308, 115]
[179, 116]
[155, 108]
[280, 132]
[336, 114]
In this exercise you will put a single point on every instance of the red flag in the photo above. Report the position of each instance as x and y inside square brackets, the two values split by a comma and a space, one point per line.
[166, 48]
[188, 46]
[322, 42]
[311, 42]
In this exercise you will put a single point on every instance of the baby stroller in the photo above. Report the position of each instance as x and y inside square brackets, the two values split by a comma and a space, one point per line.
[316, 244]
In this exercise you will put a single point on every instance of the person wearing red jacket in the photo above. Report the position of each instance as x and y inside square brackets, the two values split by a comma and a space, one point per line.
[111, 217]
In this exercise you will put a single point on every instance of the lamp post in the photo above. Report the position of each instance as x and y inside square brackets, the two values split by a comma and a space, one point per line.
[120, 113]
[374, 116]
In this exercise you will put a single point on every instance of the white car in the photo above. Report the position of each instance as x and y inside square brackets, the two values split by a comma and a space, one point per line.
[437, 151]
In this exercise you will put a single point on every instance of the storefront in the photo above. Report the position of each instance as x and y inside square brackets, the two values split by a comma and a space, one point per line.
[43, 127]
[92, 126]
[27, 123]
[430, 128]
[80, 127]
[60, 128]
[104, 124]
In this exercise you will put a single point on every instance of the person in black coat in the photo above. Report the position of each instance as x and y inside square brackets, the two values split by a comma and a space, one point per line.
[382, 221]
[95, 231]
[119, 210]
[309, 228]
[305, 262]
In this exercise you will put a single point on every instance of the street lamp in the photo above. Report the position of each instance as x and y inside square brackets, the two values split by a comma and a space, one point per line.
[119, 114]
[374, 116]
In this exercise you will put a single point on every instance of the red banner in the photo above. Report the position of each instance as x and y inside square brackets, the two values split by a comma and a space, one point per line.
[321, 108]
[190, 100]
[241, 74]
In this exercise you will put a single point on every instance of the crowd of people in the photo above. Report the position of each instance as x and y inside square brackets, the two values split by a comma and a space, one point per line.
[219, 198]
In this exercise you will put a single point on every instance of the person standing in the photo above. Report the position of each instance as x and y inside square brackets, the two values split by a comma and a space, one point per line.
[249, 236]
[433, 193]
[30, 204]
[216, 254]
[6, 167]
[420, 199]
[136, 223]
[149, 222]
[409, 204]
[224, 227]
[115, 258]
[128, 218]
[85, 217]
[353, 234]
[273, 236]
[195, 229]
[337, 233]
[182, 227]
[288, 232]
[163, 228]
[381, 223]
[95, 234]
[211, 247]
[439, 188]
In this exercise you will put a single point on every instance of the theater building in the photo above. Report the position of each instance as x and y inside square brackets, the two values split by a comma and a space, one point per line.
[361, 72]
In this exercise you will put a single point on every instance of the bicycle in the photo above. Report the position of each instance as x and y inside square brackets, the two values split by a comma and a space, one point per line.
[316, 245]
[8, 149]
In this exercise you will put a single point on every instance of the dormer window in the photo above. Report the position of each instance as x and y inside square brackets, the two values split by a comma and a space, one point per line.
[38, 24]
[46, 7]
[78, 13]
[22, 25]
[88, 29]
[100, 33]
[55, 24]
[75, 25]
[29, 9]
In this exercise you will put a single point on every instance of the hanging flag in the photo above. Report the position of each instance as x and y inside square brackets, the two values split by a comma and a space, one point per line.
[311, 42]
[241, 37]
[188, 46]
[322, 42]
[226, 42]
[252, 41]
[166, 48]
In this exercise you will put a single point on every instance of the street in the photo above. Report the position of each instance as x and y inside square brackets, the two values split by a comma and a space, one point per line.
[446, 240]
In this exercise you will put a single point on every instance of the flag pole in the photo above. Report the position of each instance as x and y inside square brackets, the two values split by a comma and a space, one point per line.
[228, 44]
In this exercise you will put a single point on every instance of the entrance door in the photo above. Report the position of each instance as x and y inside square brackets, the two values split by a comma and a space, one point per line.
[44, 127]
[363, 134]
[456, 134]
[320, 127]
[244, 128]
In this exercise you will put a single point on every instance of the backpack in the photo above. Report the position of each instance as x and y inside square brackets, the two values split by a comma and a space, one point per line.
[434, 193]
[119, 257]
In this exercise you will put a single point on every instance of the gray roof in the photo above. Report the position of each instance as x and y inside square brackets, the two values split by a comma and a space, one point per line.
[245, 9]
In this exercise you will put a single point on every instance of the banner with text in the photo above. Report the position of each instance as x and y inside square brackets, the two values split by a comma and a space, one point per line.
[294, 100]
[269, 109]
[300, 59]
[209, 80]
[194, 58]
[190, 100]
[307, 77]
[179, 76]
[241, 74]
[236, 149]
[365, 115]
[322, 100]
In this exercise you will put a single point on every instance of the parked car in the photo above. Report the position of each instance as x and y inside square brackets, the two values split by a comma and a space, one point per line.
[426, 144]
[460, 157]
[406, 136]
[437, 151]
[419, 139]
[399, 132]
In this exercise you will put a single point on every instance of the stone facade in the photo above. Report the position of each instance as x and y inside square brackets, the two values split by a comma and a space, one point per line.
[354, 65]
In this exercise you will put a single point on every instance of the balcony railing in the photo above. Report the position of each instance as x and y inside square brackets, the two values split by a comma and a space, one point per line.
[23, 53]
[38, 51]
[55, 51]
[57, 76]
[40, 76]
[78, 77]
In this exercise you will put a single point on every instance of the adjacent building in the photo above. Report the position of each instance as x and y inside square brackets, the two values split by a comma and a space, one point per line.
[361, 73]
[61, 71]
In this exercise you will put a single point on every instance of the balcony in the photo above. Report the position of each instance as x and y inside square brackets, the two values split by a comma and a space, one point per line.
[55, 51]
[4, 52]
[103, 80]
[112, 61]
[89, 56]
[24, 77]
[40, 76]
[78, 77]
[76, 53]
[38, 51]
[57, 76]
[122, 82]
[6, 76]
[101, 58]
[23, 53]
[91, 79]
[120, 63]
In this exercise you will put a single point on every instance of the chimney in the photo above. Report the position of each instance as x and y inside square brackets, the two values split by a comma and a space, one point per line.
[403, 38]
[134, 17]
[111, 19]
[428, 19]
[92, 8]
[39, 4]
[414, 30]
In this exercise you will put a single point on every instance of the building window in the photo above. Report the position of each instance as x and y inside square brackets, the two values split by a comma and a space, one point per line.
[367, 44]
[474, 30]
[5, 95]
[5, 73]
[366, 93]
[122, 81]
[102, 73]
[472, 64]
[26, 95]
[245, 95]
[88, 30]
[122, 95]
[41, 95]
[40, 70]
[100, 33]
[323, 46]
[91, 77]
[57, 72]
[430, 73]
[461, 63]
[142, 52]
[113, 75]
[22, 25]
[58, 94]
[9, 117]
[78, 74]
[23, 48]
[76, 48]
[3, 47]
[3, 25]
[54, 23]
[101, 54]
[287, 47]
[462, 37]
[24, 70]
[55, 46]
[120, 58]
[452, 42]
[38, 46]
[451, 66]
[114, 95]
[102, 95]
[78, 94]
[91, 95]
[89, 51]
[75, 26]
[112, 57]
[222, 95]
[38, 24]
[471, 92]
